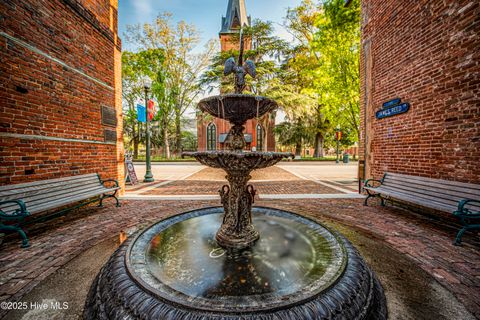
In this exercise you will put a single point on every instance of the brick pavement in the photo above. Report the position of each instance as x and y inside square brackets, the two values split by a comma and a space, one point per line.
[271, 173]
[196, 187]
[425, 241]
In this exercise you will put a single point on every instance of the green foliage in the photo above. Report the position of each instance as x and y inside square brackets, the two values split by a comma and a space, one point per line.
[189, 141]
[175, 86]
[336, 44]
[319, 78]
[266, 52]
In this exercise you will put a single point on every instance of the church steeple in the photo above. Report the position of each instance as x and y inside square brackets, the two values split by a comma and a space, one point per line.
[235, 18]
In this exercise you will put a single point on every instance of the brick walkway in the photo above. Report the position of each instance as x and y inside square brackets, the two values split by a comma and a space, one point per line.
[196, 187]
[426, 242]
[271, 173]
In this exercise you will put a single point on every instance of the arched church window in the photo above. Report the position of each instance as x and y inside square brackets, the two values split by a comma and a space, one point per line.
[211, 137]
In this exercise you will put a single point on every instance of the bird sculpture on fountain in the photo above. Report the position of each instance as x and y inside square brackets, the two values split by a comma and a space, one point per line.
[241, 69]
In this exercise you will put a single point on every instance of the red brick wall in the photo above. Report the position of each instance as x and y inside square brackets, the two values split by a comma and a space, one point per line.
[227, 43]
[59, 64]
[428, 54]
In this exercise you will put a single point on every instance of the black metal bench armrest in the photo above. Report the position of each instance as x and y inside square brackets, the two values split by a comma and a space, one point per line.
[19, 213]
[462, 211]
[110, 180]
[367, 183]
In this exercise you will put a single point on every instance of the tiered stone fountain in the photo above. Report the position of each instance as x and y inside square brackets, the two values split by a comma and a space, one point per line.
[235, 262]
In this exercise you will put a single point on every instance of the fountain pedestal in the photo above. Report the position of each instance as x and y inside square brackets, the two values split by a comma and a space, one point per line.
[237, 230]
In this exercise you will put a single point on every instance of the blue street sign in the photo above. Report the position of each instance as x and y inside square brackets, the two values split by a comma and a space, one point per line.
[391, 103]
[392, 111]
[141, 113]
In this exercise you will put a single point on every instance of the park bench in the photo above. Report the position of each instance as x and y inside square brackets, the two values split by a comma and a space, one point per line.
[19, 201]
[461, 199]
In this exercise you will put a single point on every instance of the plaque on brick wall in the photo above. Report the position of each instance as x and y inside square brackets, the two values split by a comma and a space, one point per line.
[109, 116]
[110, 135]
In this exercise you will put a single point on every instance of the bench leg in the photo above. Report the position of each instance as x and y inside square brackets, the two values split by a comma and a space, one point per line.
[18, 230]
[100, 205]
[383, 202]
[114, 196]
[370, 195]
[366, 200]
[458, 238]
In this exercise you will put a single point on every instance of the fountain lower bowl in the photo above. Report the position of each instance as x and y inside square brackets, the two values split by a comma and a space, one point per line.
[240, 162]
[175, 270]
[237, 108]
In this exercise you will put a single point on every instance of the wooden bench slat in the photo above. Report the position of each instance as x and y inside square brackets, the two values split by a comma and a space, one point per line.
[64, 201]
[472, 193]
[31, 192]
[419, 201]
[419, 198]
[452, 205]
[38, 199]
[440, 193]
[462, 185]
[447, 189]
[48, 195]
[425, 197]
[432, 193]
[43, 182]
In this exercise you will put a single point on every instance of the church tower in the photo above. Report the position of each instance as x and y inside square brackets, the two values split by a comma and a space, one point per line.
[235, 18]
[259, 135]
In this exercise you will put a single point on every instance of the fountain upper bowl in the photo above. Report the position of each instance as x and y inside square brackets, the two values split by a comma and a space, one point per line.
[237, 108]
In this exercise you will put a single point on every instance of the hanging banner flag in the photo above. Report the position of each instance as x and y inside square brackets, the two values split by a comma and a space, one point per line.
[338, 135]
[141, 113]
[151, 110]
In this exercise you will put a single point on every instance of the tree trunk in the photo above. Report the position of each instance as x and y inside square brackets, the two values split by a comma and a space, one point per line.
[178, 133]
[166, 144]
[298, 149]
[319, 152]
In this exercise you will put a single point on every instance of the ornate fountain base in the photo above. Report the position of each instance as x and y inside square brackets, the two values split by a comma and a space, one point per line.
[237, 230]
[175, 270]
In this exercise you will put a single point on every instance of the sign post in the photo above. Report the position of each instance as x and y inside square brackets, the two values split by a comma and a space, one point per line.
[338, 137]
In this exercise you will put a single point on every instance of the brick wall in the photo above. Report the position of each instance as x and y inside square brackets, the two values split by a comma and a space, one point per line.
[228, 43]
[59, 65]
[428, 54]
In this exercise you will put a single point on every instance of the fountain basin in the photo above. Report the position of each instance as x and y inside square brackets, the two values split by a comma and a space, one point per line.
[240, 163]
[237, 108]
[175, 270]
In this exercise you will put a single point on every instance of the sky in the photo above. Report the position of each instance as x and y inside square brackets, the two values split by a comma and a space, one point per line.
[206, 15]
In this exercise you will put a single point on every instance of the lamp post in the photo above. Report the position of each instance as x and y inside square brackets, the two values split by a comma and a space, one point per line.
[337, 137]
[148, 173]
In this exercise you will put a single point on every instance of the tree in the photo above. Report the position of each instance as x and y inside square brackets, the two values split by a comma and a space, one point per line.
[337, 43]
[182, 66]
[293, 133]
[131, 93]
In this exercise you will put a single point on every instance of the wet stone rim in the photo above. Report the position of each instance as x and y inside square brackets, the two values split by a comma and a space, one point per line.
[136, 263]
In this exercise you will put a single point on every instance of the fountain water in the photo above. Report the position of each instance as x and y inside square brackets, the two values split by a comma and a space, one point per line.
[236, 262]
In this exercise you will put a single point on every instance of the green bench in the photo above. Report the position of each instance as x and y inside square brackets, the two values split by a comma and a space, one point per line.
[461, 199]
[18, 201]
